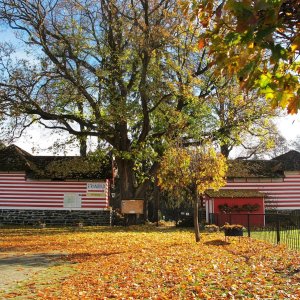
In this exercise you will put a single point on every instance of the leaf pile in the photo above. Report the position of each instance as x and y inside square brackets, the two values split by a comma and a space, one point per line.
[150, 263]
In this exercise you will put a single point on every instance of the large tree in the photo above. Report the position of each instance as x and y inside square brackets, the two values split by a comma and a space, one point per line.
[122, 71]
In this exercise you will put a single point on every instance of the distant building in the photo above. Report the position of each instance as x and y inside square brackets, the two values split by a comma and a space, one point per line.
[56, 190]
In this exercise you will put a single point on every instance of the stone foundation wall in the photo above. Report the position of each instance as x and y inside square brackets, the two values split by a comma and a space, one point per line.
[54, 217]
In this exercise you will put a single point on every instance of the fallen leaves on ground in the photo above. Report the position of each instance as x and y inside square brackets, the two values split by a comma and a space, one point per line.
[151, 263]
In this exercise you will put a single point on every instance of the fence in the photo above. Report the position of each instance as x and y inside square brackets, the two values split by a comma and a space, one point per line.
[274, 227]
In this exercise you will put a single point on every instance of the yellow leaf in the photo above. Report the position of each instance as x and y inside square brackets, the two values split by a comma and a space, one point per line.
[294, 47]
[251, 45]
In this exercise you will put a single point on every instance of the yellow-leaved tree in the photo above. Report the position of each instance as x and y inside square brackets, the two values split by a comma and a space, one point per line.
[193, 170]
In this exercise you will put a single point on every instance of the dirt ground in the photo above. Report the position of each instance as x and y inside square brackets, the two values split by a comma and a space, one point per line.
[16, 268]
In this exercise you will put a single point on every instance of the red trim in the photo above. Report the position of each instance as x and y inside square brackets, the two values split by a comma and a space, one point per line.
[31, 182]
[262, 185]
[12, 178]
[95, 198]
[31, 205]
[98, 206]
[44, 190]
[30, 186]
[285, 202]
[50, 201]
[23, 195]
[282, 205]
[96, 202]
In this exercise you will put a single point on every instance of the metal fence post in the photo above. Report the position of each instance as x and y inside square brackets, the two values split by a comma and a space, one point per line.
[248, 224]
[278, 229]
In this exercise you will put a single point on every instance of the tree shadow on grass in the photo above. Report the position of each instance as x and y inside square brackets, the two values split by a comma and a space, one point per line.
[32, 260]
[80, 257]
[217, 242]
[66, 230]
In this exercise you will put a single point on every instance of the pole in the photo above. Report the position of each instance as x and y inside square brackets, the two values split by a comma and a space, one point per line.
[248, 224]
[278, 229]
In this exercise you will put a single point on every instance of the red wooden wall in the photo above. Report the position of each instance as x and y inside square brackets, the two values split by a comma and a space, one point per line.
[256, 217]
[17, 192]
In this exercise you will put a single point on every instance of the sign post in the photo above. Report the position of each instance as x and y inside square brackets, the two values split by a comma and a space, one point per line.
[132, 209]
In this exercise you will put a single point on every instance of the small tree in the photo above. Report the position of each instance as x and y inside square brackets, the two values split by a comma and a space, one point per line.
[193, 170]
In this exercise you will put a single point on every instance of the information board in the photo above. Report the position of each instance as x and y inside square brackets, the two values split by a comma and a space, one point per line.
[132, 206]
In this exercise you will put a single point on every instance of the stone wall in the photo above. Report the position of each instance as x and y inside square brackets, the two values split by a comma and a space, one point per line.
[54, 217]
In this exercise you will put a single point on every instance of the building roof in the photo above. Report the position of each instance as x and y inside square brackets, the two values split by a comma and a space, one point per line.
[13, 158]
[234, 194]
[254, 168]
[275, 167]
[290, 161]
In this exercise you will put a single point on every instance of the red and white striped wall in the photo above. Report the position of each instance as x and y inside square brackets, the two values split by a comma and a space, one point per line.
[281, 193]
[18, 192]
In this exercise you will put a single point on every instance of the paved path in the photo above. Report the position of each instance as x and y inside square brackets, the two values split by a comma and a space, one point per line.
[15, 268]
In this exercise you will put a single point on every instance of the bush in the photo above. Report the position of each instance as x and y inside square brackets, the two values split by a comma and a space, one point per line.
[211, 228]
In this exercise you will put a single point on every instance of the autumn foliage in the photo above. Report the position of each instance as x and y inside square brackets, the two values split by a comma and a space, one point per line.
[256, 40]
[192, 171]
[201, 167]
[149, 263]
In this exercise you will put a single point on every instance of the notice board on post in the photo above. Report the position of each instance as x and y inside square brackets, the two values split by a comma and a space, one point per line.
[132, 207]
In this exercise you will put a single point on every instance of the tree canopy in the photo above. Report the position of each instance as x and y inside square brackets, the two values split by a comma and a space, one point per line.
[259, 41]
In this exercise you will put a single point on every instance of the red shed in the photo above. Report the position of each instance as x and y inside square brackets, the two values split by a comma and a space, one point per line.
[234, 206]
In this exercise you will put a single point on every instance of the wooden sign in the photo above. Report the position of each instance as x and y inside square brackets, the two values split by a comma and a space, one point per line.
[132, 206]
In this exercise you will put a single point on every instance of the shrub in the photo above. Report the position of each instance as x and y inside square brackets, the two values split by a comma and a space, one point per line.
[211, 228]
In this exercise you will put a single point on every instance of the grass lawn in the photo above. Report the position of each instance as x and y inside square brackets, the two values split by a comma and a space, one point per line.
[149, 263]
[288, 237]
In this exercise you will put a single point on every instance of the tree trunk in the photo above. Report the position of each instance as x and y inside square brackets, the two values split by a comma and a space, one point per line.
[196, 222]
[126, 179]
[156, 196]
[225, 150]
[82, 139]
[146, 202]
[83, 147]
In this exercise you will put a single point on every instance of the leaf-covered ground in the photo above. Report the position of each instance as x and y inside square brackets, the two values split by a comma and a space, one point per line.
[150, 263]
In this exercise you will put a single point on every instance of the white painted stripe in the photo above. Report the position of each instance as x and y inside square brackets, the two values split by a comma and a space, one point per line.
[28, 186]
[28, 204]
[52, 208]
[32, 199]
[95, 201]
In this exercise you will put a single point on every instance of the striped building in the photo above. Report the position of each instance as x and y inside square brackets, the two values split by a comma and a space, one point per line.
[277, 180]
[37, 188]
